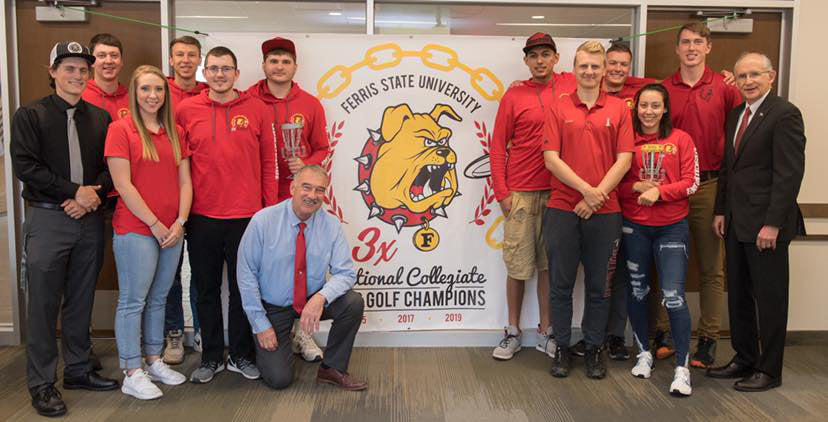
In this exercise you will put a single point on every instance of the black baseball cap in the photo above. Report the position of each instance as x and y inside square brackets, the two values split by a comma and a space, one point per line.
[538, 39]
[66, 49]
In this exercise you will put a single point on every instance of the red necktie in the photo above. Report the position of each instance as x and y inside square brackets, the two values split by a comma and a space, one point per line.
[742, 128]
[300, 272]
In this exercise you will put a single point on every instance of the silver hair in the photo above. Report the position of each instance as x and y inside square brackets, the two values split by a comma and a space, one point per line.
[767, 61]
[314, 169]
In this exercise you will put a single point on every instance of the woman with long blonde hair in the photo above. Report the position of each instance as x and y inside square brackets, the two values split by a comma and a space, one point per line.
[151, 171]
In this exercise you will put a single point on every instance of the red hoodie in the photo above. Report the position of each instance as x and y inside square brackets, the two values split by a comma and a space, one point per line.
[178, 94]
[232, 163]
[116, 104]
[297, 107]
[674, 163]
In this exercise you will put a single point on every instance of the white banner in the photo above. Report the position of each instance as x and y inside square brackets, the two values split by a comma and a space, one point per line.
[410, 120]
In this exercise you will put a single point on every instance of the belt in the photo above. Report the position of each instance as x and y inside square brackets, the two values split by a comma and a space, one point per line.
[46, 205]
[708, 175]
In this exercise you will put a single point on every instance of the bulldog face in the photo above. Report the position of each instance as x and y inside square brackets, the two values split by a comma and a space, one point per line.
[415, 167]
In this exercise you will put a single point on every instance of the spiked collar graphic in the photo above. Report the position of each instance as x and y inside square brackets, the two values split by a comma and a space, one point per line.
[398, 217]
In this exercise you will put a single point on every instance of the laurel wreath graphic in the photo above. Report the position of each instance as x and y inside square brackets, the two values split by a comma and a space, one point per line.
[329, 198]
[482, 210]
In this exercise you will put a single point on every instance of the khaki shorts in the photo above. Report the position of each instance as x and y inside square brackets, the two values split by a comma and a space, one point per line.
[523, 248]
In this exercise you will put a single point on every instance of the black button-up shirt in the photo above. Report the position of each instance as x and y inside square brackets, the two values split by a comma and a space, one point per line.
[40, 148]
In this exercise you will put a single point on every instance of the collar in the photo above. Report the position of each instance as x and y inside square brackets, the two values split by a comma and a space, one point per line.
[293, 219]
[707, 77]
[62, 105]
[576, 101]
[755, 106]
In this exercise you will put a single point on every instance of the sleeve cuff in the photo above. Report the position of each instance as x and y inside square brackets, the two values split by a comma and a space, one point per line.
[260, 323]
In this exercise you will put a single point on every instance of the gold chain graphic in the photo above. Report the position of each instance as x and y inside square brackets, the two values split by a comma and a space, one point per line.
[373, 61]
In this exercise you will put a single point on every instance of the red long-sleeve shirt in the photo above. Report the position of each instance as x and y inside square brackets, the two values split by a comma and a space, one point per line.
[516, 153]
[233, 160]
[672, 162]
[116, 104]
[297, 107]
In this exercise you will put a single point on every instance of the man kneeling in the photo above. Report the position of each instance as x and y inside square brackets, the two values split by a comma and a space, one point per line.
[283, 259]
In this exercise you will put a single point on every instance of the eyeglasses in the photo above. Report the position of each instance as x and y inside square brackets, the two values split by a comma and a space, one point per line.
[741, 77]
[222, 69]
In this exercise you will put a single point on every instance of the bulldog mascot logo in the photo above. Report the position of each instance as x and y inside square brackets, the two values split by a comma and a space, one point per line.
[406, 171]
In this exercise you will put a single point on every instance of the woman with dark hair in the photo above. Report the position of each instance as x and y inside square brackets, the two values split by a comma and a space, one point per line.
[654, 203]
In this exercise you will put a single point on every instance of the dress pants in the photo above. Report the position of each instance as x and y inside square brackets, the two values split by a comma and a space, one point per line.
[707, 247]
[211, 242]
[277, 366]
[758, 303]
[63, 259]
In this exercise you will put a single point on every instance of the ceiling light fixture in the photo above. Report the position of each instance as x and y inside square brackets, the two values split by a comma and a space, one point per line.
[335, 13]
[538, 17]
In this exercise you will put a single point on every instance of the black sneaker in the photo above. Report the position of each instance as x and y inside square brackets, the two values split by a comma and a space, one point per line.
[705, 353]
[661, 345]
[578, 349]
[596, 366]
[617, 348]
[561, 362]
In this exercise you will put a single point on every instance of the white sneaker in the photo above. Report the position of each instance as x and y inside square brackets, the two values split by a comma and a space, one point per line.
[140, 386]
[160, 372]
[681, 382]
[546, 343]
[197, 342]
[644, 367]
[509, 345]
[304, 344]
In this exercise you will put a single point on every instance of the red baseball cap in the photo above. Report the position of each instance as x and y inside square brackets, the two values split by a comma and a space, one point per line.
[278, 43]
[537, 39]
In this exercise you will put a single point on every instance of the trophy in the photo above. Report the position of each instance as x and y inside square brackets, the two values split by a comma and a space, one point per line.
[292, 142]
[651, 159]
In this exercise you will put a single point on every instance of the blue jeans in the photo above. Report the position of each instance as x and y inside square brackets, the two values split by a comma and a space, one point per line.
[174, 319]
[668, 245]
[145, 273]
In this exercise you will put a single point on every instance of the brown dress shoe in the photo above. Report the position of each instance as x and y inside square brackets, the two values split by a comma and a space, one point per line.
[342, 380]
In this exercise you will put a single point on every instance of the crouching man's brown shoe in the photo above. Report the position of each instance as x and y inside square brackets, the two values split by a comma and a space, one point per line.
[342, 380]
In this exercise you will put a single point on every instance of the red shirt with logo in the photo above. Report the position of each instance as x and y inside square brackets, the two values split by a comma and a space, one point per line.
[233, 160]
[156, 181]
[630, 88]
[674, 164]
[297, 107]
[177, 94]
[588, 141]
[701, 111]
[116, 104]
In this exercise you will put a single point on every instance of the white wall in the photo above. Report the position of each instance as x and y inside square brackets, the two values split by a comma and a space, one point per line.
[809, 289]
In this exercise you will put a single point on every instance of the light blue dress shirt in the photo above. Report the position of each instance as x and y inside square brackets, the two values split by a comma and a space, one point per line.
[266, 260]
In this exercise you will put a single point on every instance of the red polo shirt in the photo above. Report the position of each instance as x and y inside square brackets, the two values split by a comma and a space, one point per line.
[631, 87]
[156, 181]
[116, 104]
[701, 111]
[588, 141]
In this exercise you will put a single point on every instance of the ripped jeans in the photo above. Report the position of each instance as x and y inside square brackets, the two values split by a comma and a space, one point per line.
[668, 245]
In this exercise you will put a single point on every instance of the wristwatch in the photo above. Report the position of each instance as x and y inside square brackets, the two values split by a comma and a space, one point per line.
[181, 221]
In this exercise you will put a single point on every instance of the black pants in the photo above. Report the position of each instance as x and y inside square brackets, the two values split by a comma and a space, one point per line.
[757, 303]
[63, 259]
[212, 242]
[277, 366]
[571, 240]
[617, 323]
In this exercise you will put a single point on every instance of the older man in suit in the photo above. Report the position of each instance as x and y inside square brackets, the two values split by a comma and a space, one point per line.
[757, 214]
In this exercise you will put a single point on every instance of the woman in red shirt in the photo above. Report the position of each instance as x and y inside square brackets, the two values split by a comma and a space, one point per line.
[654, 203]
[151, 172]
